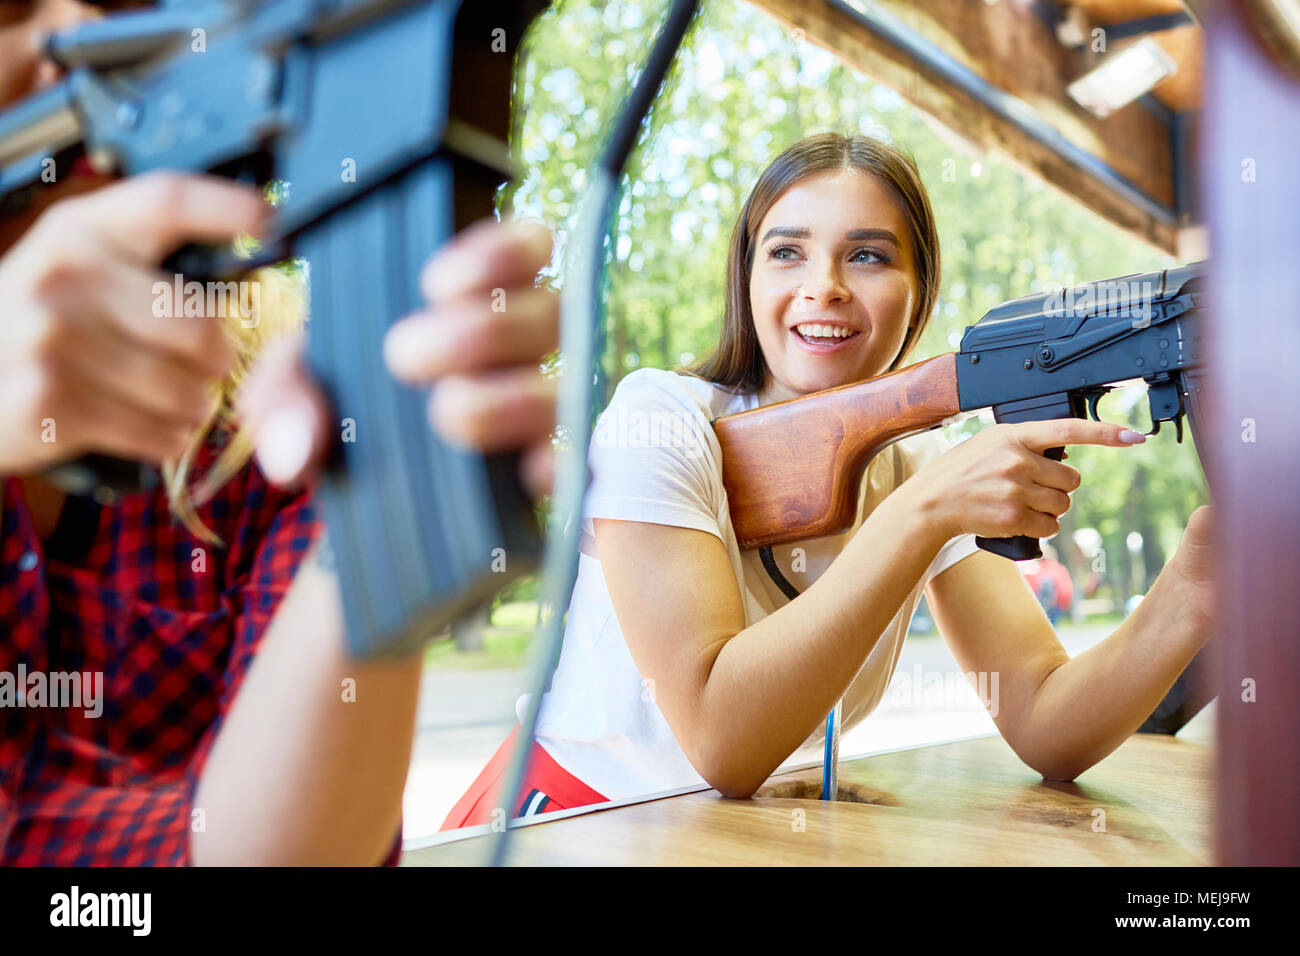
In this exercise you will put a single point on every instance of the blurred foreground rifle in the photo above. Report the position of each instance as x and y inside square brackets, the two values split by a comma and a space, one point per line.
[792, 469]
[387, 120]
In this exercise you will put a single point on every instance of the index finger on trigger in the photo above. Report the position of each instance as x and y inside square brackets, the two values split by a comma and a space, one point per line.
[488, 255]
[1059, 432]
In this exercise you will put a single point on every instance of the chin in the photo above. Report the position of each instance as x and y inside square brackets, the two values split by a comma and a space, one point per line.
[819, 379]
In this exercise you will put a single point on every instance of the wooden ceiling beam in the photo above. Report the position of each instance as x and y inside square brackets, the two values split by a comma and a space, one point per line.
[996, 74]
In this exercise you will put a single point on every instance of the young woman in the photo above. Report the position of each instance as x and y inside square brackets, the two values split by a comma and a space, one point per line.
[213, 726]
[684, 662]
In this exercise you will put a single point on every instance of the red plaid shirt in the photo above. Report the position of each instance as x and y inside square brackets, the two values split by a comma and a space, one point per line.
[171, 622]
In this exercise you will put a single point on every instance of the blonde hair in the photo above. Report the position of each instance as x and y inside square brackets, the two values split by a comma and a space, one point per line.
[278, 308]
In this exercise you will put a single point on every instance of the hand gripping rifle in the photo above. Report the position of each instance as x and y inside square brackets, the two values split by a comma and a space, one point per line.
[792, 469]
[388, 120]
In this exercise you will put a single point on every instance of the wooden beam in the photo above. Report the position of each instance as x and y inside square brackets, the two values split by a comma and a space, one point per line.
[1120, 167]
[1251, 195]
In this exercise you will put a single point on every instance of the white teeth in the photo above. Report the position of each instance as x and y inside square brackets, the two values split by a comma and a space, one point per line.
[824, 331]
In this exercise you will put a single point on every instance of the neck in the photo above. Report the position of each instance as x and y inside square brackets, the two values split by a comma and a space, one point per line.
[773, 391]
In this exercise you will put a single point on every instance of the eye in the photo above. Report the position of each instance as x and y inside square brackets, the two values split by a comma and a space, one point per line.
[868, 255]
[784, 253]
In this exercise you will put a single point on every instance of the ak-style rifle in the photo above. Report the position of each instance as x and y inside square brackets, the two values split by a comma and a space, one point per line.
[792, 469]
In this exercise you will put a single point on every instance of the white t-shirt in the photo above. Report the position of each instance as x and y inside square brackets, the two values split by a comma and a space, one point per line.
[654, 458]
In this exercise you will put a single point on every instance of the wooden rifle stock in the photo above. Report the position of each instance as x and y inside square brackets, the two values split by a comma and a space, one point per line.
[792, 469]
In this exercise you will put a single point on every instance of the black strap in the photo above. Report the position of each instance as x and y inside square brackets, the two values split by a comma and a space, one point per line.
[75, 531]
[774, 572]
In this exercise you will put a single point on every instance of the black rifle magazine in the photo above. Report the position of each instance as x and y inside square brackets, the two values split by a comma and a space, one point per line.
[421, 531]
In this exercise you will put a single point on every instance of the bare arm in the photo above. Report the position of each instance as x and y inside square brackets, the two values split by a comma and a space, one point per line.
[1060, 714]
[741, 699]
[300, 774]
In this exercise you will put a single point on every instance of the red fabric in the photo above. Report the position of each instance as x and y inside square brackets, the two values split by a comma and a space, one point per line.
[1046, 568]
[481, 800]
[173, 644]
[1064, 586]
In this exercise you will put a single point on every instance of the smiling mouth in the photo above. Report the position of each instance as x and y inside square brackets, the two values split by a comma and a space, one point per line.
[816, 334]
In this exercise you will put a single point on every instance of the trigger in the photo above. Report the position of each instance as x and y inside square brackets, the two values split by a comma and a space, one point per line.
[1093, 399]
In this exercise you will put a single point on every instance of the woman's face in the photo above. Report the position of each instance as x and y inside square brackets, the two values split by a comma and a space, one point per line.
[834, 285]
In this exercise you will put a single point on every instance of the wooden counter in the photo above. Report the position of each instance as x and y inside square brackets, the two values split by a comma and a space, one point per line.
[971, 802]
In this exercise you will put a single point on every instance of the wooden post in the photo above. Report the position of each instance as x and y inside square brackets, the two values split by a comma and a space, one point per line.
[1251, 188]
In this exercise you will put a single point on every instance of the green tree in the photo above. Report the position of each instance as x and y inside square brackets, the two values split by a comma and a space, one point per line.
[742, 89]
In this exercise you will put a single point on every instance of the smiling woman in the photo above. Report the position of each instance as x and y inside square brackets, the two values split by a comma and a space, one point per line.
[699, 669]
[684, 660]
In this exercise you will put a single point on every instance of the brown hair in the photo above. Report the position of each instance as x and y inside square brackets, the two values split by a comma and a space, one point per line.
[737, 361]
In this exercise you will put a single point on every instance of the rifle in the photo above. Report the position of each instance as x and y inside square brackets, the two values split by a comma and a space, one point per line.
[1045, 356]
[388, 121]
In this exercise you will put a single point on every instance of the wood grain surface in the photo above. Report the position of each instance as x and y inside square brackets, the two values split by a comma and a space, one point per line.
[792, 469]
[966, 803]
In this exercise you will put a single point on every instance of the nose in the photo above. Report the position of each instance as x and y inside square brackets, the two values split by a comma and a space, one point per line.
[823, 285]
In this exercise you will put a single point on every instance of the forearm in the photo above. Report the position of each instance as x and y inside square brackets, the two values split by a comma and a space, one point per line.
[772, 684]
[1089, 705]
[309, 765]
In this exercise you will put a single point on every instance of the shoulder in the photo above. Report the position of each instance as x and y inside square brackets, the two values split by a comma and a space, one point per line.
[655, 386]
[654, 456]
[254, 519]
[662, 409]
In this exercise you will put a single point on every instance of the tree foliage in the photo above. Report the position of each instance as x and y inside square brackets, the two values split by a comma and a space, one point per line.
[742, 89]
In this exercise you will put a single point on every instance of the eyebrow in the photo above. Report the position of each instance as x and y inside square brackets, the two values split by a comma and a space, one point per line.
[855, 235]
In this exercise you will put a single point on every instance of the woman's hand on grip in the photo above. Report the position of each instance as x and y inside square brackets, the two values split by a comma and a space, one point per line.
[999, 484]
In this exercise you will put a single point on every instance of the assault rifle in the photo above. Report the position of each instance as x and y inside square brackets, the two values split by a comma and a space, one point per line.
[792, 469]
[388, 120]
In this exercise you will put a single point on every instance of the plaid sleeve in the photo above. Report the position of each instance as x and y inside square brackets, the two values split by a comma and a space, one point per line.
[275, 533]
[81, 802]
[272, 535]
[78, 806]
